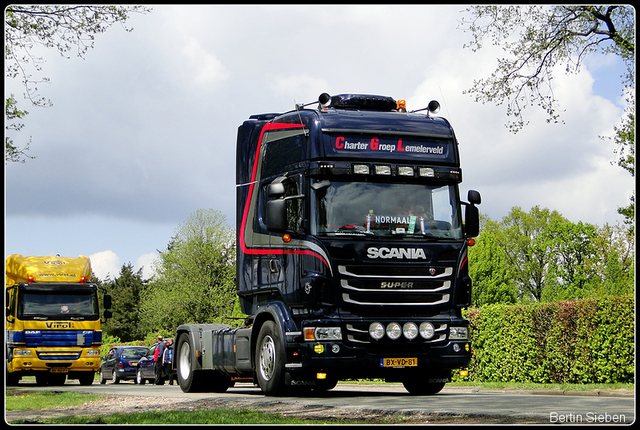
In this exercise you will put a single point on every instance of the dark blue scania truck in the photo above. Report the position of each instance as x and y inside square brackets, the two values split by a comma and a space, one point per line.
[351, 252]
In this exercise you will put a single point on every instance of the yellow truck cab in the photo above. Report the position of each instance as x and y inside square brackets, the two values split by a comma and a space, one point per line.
[52, 319]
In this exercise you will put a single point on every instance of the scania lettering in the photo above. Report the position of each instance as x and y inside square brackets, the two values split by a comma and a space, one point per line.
[52, 320]
[410, 254]
[351, 252]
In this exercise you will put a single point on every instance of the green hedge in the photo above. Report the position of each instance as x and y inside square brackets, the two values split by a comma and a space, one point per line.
[576, 341]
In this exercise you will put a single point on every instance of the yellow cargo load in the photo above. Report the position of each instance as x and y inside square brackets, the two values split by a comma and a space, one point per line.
[47, 269]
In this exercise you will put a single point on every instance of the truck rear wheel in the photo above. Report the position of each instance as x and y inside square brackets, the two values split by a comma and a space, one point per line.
[269, 360]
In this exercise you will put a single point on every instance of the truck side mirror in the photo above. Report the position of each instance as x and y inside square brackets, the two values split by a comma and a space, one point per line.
[276, 216]
[472, 215]
[474, 197]
[107, 301]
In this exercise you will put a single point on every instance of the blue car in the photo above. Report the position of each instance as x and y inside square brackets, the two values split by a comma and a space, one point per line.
[120, 363]
[145, 371]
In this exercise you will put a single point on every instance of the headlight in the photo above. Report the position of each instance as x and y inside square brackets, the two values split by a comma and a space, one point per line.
[376, 330]
[410, 330]
[328, 333]
[93, 352]
[427, 330]
[394, 331]
[22, 352]
[458, 333]
[322, 333]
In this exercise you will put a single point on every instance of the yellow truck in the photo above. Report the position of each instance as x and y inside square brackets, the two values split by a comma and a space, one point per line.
[52, 319]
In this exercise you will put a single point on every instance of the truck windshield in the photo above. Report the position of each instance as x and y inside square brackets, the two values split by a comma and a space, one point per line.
[50, 305]
[386, 210]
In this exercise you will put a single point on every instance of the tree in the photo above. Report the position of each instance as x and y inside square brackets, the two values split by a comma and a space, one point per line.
[615, 260]
[528, 249]
[537, 38]
[492, 282]
[195, 275]
[541, 256]
[625, 139]
[126, 291]
[572, 272]
[50, 26]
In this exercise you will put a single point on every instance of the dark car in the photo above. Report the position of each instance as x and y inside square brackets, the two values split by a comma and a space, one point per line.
[120, 363]
[146, 369]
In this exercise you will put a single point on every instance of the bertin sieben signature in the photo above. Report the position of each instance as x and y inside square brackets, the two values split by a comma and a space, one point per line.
[589, 417]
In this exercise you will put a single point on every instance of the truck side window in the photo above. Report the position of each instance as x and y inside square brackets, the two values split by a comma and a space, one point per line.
[282, 153]
[294, 206]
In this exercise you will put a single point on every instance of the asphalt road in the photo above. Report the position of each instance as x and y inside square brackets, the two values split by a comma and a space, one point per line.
[540, 406]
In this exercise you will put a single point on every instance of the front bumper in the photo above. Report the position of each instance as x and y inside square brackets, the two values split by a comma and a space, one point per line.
[54, 360]
[344, 361]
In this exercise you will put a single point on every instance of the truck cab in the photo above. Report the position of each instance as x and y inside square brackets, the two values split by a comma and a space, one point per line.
[352, 246]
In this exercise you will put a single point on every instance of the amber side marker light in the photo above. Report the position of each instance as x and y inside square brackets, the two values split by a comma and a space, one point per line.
[286, 238]
[471, 241]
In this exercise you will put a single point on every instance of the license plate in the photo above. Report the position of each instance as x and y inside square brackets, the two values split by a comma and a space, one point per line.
[399, 362]
[133, 363]
[59, 370]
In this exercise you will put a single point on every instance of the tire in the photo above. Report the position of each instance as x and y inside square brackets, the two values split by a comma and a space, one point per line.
[270, 360]
[419, 388]
[114, 377]
[12, 379]
[185, 356]
[139, 379]
[101, 378]
[86, 378]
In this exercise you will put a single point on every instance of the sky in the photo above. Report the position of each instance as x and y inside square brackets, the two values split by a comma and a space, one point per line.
[142, 131]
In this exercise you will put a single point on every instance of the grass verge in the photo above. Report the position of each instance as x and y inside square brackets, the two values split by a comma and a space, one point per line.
[22, 400]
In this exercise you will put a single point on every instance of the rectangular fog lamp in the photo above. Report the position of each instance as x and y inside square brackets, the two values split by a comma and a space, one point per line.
[361, 169]
[405, 171]
[383, 170]
[426, 172]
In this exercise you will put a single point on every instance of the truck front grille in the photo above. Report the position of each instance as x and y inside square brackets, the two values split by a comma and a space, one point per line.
[58, 355]
[407, 286]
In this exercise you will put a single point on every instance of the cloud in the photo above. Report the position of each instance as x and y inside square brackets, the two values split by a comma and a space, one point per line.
[202, 67]
[145, 262]
[301, 88]
[105, 265]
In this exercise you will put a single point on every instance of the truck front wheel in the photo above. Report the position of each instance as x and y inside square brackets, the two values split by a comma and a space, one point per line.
[269, 360]
[421, 388]
[185, 354]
